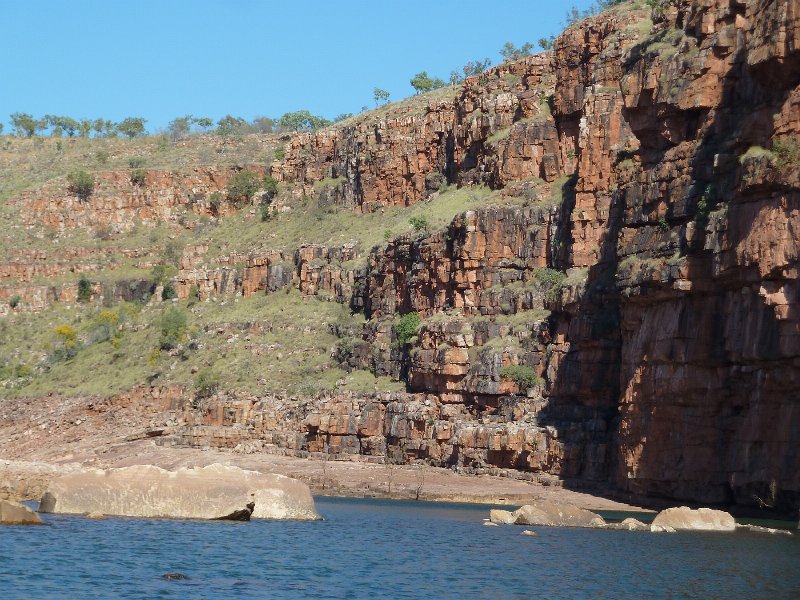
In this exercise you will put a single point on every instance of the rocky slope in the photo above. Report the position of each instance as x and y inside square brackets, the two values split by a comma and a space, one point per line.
[621, 310]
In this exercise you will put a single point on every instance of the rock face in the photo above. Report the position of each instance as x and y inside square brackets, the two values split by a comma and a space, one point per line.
[14, 513]
[631, 318]
[211, 492]
[701, 519]
[546, 513]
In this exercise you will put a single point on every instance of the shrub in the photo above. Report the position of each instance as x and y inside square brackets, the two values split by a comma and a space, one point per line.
[138, 177]
[105, 327]
[102, 156]
[280, 154]
[523, 376]
[242, 186]
[81, 184]
[173, 327]
[419, 223]
[67, 342]
[168, 293]
[14, 301]
[549, 281]
[84, 290]
[215, 201]
[161, 274]
[407, 327]
[194, 295]
[270, 185]
[136, 162]
[788, 151]
[206, 384]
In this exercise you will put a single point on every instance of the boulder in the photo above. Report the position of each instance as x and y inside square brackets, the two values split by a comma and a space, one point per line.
[14, 513]
[555, 514]
[212, 492]
[505, 517]
[629, 524]
[701, 519]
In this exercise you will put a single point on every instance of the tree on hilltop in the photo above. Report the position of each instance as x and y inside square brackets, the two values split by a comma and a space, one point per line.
[230, 125]
[302, 120]
[422, 82]
[132, 126]
[25, 125]
[380, 96]
[510, 52]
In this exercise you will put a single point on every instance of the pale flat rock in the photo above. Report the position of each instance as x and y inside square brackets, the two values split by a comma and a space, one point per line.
[556, 514]
[701, 519]
[529, 532]
[212, 492]
[490, 524]
[771, 530]
[504, 517]
[14, 513]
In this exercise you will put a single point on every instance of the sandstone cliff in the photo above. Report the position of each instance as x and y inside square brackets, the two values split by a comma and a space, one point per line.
[621, 309]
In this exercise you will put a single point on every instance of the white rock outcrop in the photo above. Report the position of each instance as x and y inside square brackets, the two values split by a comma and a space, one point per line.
[212, 492]
[701, 519]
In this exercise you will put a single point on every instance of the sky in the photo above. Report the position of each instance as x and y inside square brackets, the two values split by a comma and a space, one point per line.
[161, 59]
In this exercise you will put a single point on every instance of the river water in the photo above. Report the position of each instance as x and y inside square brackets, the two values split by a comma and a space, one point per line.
[386, 549]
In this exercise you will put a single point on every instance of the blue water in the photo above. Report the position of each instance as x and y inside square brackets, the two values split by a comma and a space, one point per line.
[386, 549]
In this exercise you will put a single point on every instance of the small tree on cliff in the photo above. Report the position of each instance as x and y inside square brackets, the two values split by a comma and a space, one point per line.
[380, 96]
[422, 82]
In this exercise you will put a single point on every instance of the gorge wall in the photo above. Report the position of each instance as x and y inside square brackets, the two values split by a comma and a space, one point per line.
[629, 318]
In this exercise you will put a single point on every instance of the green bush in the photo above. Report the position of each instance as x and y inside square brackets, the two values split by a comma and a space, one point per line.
[81, 184]
[523, 376]
[407, 327]
[280, 154]
[84, 290]
[161, 274]
[419, 223]
[788, 151]
[549, 281]
[194, 295]
[136, 162]
[242, 186]
[270, 185]
[168, 293]
[206, 384]
[14, 301]
[173, 327]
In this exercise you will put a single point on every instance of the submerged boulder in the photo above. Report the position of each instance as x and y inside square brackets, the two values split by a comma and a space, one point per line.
[547, 513]
[212, 492]
[701, 519]
[14, 513]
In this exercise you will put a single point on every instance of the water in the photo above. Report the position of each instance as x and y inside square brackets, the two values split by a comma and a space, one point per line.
[386, 549]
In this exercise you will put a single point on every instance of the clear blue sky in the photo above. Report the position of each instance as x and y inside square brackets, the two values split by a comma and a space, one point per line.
[160, 59]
